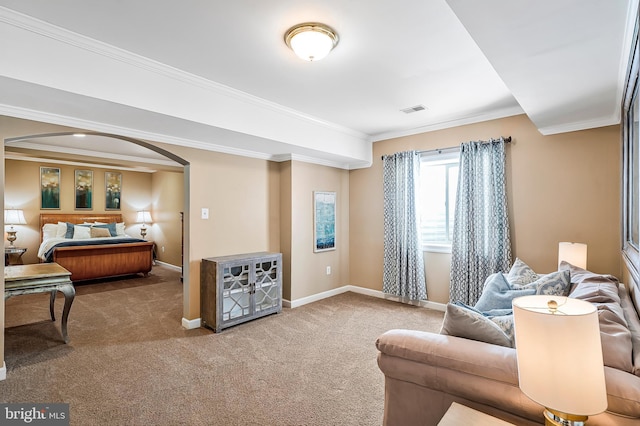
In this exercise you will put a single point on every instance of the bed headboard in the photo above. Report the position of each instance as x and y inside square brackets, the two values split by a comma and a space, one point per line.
[77, 218]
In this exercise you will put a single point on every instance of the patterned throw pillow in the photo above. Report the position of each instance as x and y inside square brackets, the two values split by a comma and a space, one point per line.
[554, 284]
[464, 322]
[521, 274]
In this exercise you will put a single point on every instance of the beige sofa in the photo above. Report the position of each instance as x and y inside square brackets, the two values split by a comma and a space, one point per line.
[425, 372]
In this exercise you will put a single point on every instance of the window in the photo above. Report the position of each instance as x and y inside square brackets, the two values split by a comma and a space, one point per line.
[437, 199]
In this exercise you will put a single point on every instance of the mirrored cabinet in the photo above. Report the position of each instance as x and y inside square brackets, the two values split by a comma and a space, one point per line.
[239, 288]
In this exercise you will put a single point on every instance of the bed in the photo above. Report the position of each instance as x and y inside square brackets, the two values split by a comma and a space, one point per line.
[94, 258]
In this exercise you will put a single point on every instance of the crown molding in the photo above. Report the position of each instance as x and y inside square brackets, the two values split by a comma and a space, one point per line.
[19, 157]
[471, 119]
[581, 125]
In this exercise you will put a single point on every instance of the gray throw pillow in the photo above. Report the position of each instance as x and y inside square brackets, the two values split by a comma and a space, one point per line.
[498, 294]
[462, 322]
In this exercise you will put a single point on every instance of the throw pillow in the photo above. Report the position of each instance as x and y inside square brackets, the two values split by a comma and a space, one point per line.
[554, 284]
[521, 274]
[120, 229]
[462, 322]
[498, 294]
[97, 232]
[111, 227]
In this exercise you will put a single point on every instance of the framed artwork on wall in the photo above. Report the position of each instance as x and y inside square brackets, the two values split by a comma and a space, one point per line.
[324, 221]
[49, 188]
[112, 190]
[84, 189]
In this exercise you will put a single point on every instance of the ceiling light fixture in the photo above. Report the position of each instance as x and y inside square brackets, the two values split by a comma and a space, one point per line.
[311, 41]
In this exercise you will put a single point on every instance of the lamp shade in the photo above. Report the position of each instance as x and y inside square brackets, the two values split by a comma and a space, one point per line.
[14, 217]
[311, 41]
[143, 217]
[559, 354]
[574, 253]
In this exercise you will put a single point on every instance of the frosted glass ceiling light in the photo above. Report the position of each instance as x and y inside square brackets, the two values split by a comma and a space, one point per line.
[311, 41]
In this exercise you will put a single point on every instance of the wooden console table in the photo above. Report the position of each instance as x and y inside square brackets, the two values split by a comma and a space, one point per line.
[41, 278]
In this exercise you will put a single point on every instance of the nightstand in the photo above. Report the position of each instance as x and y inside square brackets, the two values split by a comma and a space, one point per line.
[458, 414]
[13, 255]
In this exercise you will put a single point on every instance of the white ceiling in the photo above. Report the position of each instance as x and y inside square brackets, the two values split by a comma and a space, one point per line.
[217, 75]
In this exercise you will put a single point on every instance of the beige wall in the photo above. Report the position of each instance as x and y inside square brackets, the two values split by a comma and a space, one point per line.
[562, 187]
[308, 269]
[22, 190]
[167, 201]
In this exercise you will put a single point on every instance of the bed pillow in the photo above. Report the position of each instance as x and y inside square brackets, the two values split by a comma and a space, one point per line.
[111, 227]
[461, 321]
[120, 229]
[81, 232]
[65, 230]
[99, 232]
[498, 293]
[49, 230]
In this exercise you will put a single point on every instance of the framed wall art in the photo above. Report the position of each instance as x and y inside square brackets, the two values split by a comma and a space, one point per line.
[324, 221]
[49, 188]
[84, 189]
[113, 190]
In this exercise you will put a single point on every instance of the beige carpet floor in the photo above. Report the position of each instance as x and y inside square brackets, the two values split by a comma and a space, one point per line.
[130, 362]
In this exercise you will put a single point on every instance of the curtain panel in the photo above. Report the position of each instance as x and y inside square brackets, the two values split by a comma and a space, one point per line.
[481, 243]
[403, 269]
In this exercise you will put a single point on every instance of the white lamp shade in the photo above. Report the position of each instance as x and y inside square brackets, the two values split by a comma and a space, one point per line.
[14, 217]
[559, 354]
[574, 253]
[144, 217]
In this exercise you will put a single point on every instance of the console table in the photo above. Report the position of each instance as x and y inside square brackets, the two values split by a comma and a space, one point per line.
[41, 278]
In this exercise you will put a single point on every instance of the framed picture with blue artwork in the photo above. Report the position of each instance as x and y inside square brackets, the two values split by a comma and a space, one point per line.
[49, 188]
[113, 190]
[84, 189]
[324, 221]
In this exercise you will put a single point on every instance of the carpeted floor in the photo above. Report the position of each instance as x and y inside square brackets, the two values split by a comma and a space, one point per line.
[130, 362]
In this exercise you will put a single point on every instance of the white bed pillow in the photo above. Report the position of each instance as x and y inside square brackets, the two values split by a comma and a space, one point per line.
[62, 229]
[81, 232]
[49, 230]
[120, 229]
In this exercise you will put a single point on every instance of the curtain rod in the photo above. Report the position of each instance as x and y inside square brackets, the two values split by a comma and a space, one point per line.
[451, 148]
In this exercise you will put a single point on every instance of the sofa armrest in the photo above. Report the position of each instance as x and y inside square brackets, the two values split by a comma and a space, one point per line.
[466, 356]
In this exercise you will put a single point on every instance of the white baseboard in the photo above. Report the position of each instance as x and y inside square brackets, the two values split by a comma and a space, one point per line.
[191, 324]
[361, 290]
[3, 371]
[168, 265]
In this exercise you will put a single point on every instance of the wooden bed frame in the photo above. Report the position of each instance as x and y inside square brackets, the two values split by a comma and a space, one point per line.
[100, 261]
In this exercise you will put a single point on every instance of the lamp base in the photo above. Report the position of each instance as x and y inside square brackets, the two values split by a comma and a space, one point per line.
[11, 237]
[557, 418]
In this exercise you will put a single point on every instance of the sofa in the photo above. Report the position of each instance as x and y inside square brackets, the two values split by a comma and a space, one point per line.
[426, 372]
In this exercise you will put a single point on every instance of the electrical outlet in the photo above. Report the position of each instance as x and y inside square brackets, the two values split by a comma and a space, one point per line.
[205, 213]
[163, 249]
[328, 270]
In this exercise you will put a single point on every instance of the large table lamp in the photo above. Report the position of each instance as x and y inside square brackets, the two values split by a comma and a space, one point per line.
[560, 357]
[13, 217]
[144, 217]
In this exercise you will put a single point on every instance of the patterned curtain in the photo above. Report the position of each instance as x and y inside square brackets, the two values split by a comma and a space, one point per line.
[403, 261]
[481, 243]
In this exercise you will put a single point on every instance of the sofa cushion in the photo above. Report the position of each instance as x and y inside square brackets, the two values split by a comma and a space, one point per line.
[461, 321]
[498, 293]
[521, 274]
[602, 291]
[631, 315]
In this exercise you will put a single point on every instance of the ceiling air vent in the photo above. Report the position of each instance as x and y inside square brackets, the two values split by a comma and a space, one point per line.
[413, 109]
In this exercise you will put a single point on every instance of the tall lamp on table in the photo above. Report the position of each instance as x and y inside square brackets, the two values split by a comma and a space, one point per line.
[13, 217]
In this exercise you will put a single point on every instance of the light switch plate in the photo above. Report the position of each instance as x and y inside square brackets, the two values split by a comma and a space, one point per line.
[205, 213]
